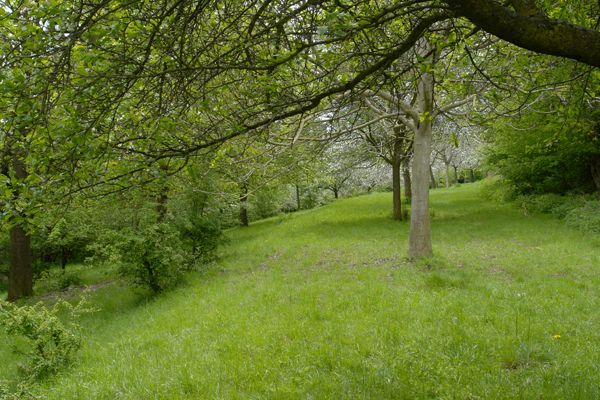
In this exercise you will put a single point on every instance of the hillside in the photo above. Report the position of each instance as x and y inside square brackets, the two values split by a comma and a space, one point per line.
[323, 304]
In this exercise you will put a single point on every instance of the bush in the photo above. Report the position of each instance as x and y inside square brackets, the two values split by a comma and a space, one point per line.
[57, 279]
[155, 259]
[497, 189]
[204, 236]
[581, 212]
[20, 392]
[266, 203]
[108, 248]
[52, 342]
[585, 217]
[545, 203]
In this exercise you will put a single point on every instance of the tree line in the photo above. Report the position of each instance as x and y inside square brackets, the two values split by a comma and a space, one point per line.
[99, 97]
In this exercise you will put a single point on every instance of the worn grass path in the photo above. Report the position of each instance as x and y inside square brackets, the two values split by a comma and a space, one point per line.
[323, 305]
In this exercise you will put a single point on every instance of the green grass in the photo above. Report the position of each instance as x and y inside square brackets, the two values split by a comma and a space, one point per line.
[323, 305]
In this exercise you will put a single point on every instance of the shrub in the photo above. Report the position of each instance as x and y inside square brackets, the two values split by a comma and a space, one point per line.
[52, 343]
[20, 392]
[581, 212]
[108, 248]
[545, 203]
[266, 203]
[57, 279]
[497, 189]
[155, 259]
[204, 236]
[585, 217]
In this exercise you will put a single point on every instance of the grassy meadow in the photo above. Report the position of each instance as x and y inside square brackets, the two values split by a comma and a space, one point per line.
[323, 304]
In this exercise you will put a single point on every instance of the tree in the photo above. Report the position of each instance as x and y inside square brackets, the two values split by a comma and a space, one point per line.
[527, 25]
[395, 148]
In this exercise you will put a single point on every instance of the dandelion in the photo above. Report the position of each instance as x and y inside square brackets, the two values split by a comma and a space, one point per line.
[556, 337]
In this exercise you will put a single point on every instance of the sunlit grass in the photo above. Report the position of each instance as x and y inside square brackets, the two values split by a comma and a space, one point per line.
[323, 304]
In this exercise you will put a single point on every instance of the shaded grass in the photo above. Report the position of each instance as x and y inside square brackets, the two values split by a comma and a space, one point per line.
[323, 304]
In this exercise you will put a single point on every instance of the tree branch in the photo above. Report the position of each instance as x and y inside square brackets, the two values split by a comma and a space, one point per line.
[537, 33]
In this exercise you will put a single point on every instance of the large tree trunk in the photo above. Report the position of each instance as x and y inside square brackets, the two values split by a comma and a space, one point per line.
[447, 176]
[420, 230]
[397, 210]
[20, 276]
[407, 183]
[244, 206]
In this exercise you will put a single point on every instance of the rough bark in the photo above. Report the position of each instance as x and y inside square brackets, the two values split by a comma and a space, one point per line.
[533, 32]
[420, 231]
[397, 208]
[20, 276]
[244, 207]
[447, 176]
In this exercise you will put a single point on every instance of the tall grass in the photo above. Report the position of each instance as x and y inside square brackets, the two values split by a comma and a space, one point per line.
[323, 304]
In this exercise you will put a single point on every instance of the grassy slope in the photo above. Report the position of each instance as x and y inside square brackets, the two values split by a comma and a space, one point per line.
[322, 304]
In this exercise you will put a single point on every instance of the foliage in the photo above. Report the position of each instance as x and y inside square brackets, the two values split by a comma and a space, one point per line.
[581, 212]
[57, 279]
[266, 202]
[497, 189]
[204, 236]
[155, 258]
[21, 392]
[51, 342]
[585, 217]
[546, 142]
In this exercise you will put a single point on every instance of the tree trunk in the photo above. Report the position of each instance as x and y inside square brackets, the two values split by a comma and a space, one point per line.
[20, 276]
[63, 257]
[455, 173]
[471, 175]
[397, 209]
[447, 176]
[432, 178]
[420, 230]
[244, 206]
[407, 188]
[335, 191]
